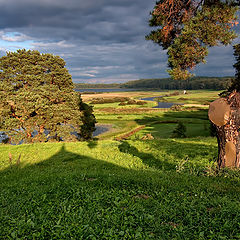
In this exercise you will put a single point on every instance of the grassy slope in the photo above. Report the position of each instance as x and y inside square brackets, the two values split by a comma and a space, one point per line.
[117, 190]
[160, 189]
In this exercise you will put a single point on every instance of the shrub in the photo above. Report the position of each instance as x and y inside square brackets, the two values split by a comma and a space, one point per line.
[141, 102]
[122, 104]
[132, 102]
[179, 131]
[176, 107]
[174, 94]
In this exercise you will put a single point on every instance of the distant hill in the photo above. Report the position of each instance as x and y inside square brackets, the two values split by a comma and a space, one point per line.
[214, 83]
[96, 85]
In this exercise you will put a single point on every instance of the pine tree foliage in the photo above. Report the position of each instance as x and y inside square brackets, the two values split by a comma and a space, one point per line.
[179, 131]
[186, 28]
[37, 100]
[88, 120]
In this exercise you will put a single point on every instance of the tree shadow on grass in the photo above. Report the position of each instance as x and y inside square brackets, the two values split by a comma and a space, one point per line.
[174, 117]
[147, 158]
[65, 161]
[174, 152]
[59, 196]
[162, 126]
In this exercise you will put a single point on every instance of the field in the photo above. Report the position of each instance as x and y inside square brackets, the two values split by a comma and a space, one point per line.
[159, 122]
[164, 188]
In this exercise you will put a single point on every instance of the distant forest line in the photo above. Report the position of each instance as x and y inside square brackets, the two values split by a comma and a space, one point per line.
[213, 83]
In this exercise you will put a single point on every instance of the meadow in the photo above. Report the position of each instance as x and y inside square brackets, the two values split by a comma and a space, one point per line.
[163, 188]
[159, 122]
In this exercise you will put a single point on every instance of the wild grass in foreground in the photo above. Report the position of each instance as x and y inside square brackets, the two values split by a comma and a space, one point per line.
[160, 189]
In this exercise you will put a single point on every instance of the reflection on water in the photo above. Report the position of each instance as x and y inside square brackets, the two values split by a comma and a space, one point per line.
[160, 104]
[3, 136]
[100, 128]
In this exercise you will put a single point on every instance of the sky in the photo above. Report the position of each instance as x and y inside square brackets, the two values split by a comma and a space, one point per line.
[102, 41]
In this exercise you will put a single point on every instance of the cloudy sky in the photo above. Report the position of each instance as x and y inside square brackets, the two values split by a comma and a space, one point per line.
[100, 40]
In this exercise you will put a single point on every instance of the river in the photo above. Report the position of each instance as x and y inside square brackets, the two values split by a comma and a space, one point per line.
[160, 104]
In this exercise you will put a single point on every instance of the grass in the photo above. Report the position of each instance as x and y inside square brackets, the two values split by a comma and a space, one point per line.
[155, 189]
[164, 130]
[195, 97]
[117, 190]
[126, 118]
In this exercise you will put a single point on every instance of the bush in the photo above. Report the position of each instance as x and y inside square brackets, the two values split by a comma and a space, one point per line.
[174, 94]
[179, 131]
[176, 107]
[141, 102]
[122, 104]
[132, 102]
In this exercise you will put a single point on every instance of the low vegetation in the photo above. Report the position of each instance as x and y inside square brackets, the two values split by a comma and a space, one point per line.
[109, 100]
[156, 189]
[147, 185]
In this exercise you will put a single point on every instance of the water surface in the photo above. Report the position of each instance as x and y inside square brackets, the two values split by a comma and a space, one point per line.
[160, 104]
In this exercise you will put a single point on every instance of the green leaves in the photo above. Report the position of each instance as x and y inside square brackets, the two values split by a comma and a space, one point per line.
[187, 32]
[36, 93]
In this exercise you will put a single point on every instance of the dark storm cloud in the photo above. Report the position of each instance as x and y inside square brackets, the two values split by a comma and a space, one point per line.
[87, 20]
[101, 40]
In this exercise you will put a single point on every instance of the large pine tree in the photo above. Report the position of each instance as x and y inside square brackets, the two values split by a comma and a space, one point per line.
[37, 99]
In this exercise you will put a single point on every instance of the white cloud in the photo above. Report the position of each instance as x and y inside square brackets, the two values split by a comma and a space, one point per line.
[14, 36]
[60, 44]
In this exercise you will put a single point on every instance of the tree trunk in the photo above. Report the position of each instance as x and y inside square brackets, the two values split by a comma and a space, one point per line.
[225, 114]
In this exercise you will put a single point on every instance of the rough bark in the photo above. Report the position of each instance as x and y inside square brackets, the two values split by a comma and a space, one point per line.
[225, 114]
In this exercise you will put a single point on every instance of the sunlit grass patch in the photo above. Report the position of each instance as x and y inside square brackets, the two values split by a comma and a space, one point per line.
[117, 190]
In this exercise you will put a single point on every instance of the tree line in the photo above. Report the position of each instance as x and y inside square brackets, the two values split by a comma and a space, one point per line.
[195, 83]
[213, 83]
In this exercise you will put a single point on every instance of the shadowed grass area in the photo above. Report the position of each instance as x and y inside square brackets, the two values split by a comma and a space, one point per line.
[163, 124]
[158, 189]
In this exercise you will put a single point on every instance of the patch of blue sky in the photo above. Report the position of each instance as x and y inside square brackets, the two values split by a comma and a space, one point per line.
[13, 46]
[11, 41]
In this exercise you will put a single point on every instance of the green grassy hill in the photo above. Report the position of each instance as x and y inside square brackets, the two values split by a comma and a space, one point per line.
[158, 189]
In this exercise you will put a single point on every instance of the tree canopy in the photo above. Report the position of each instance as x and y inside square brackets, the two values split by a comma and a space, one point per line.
[37, 99]
[186, 28]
